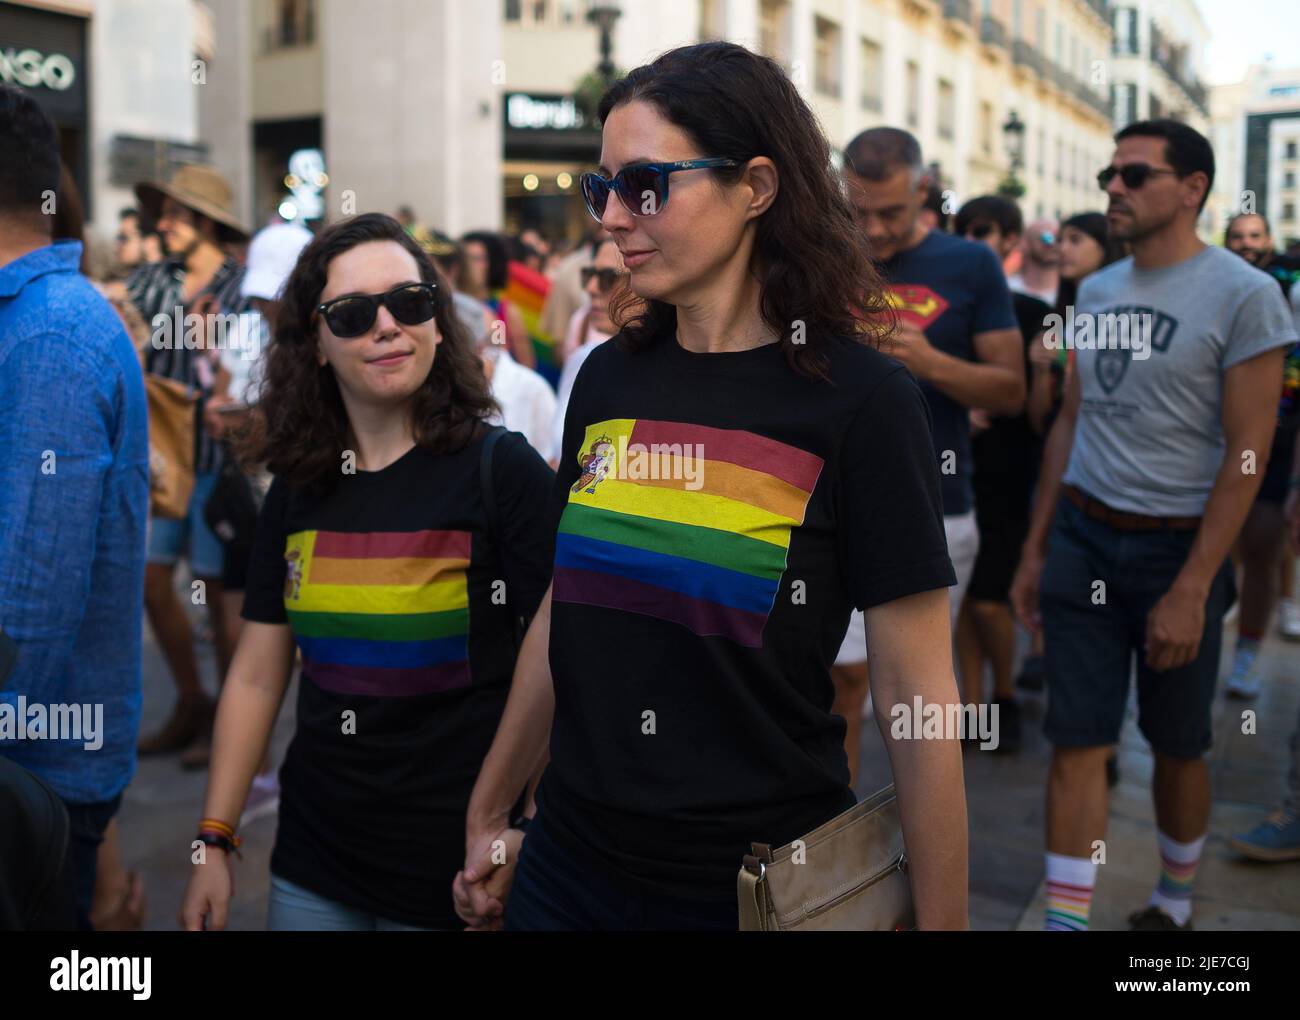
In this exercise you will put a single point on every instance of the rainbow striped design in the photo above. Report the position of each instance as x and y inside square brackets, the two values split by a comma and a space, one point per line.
[684, 523]
[526, 289]
[1067, 906]
[380, 613]
[1177, 878]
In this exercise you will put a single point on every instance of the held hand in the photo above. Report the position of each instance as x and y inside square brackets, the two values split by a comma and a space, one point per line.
[979, 420]
[208, 894]
[479, 891]
[1025, 589]
[909, 345]
[1174, 628]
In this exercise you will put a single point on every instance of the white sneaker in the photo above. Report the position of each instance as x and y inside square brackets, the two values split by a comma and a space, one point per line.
[1288, 619]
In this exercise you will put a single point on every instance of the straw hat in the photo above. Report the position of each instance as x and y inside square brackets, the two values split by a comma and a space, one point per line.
[200, 188]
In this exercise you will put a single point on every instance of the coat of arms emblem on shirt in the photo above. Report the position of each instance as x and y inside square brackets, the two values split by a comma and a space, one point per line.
[596, 463]
[1111, 366]
[292, 575]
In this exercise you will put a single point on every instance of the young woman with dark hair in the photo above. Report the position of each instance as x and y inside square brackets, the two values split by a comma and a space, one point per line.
[398, 560]
[740, 467]
[485, 276]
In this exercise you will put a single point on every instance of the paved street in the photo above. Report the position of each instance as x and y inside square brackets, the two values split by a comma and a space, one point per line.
[1005, 794]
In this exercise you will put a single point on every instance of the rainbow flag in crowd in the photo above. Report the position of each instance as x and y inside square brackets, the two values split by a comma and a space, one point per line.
[526, 289]
[382, 613]
[684, 523]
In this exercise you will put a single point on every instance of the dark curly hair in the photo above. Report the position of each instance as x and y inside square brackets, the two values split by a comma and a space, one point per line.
[300, 427]
[811, 260]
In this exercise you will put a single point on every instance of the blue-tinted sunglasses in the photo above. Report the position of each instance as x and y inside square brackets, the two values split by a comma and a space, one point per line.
[642, 187]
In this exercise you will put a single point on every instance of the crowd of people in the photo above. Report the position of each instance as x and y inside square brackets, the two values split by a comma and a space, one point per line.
[798, 450]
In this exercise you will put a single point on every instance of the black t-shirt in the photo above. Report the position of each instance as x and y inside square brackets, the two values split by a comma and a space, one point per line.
[952, 289]
[719, 516]
[403, 603]
[1008, 452]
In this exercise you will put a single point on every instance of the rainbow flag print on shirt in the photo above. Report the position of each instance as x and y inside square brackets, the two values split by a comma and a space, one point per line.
[381, 613]
[684, 523]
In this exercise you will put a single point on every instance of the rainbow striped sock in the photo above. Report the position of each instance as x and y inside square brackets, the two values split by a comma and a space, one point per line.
[1069, 892]
[1178, 862]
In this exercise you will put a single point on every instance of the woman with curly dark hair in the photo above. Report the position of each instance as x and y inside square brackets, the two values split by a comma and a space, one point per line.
[397, 550]
[740, 468]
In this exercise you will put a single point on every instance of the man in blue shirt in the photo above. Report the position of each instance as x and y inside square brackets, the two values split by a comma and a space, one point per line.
[74, 488]
[958, 334]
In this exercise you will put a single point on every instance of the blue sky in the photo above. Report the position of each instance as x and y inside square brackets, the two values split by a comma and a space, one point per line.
[1243, 31]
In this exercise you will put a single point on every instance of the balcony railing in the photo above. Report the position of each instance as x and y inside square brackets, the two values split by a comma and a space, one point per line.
[958, 10]
[1024, 54]
[993, 32]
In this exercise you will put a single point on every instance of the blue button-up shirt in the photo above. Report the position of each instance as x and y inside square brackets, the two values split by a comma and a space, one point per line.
[74, 498]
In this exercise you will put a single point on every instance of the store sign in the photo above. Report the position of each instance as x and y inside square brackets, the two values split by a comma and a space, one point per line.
[536, 113]
[32, 69]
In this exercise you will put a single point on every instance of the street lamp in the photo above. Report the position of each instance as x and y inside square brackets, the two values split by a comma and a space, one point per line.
[1013, 136]
[603, 14]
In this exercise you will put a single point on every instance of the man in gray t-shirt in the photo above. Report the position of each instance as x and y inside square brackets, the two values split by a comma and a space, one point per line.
[1158, 450]
[1149, 437]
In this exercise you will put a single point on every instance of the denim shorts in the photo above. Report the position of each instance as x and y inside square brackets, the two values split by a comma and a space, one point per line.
[1091, 636]
[170, 538]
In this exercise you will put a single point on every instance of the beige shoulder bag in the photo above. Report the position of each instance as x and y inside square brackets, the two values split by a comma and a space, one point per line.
[849, 874]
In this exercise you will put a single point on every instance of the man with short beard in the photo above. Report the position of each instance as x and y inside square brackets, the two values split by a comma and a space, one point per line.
[195, 216]
[1154, 451]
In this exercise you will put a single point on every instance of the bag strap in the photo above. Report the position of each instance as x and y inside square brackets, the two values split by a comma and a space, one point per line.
[751, 901]
[487, 486]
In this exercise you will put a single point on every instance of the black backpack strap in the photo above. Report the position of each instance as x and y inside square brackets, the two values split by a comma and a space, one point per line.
[493, 513]
[486, 482]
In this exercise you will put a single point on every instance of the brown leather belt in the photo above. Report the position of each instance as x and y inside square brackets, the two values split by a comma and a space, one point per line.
[1121, 520]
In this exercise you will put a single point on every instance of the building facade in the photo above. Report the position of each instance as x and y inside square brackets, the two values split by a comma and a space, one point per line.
[1157, 60]
[121, 118]
[1256, 136]
[950, 71]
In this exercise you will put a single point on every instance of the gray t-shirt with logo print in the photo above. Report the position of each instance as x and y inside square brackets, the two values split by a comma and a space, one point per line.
[1149, 438]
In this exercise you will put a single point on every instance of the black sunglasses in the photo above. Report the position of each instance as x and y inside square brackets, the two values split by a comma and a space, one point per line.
[354, 314]
[1134, 175]
[607, 277]
[642, 187]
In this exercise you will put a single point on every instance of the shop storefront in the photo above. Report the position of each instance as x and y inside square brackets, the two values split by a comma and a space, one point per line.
[548, 142]
[45, 53]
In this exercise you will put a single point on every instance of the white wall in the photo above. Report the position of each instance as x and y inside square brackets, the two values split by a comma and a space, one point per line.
[140, 53]
[430, 136]
[225, 102]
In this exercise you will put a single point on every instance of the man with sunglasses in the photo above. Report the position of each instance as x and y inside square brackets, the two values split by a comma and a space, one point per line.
[1156, 452]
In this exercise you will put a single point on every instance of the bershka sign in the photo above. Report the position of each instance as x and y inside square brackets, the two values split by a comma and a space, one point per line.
[102, 974]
